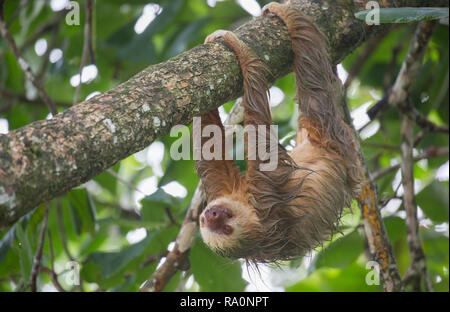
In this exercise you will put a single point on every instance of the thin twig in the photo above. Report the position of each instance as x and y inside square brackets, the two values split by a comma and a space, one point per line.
[38, 256]
[54, 23]
[430, 152]
[13, 97]
[62, 231]
[380, 247]
[382, 146]
[423, 122]
[124, 212]
[51, 271]
[87, 46]
[369, 48]
[417, 270]
[399, 97]
[398, 94]
[54, 278]
[46, 56]
[25, 66]
[119, 178]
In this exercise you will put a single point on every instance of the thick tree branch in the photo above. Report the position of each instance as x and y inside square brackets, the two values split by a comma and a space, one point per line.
[49, 157]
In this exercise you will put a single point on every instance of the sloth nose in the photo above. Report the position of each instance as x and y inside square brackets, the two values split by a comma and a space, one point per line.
[216, 216]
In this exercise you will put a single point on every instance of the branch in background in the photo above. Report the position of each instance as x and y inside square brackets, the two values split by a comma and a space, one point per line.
[22, 6]
[381, 146]
[46, 56]
[87, 47]
[422, 121]
[38, 256]
[399, 92]
[51, 271]
[54, 23]
[418, 268]
[119, 178]
[177, 258]
[417, 271]
[25, 66]
[123, 212]
[54, 278]
[430, 152]
[369, 48]
[62, 230]
[11, 97]
[92, 136]
[388, 75]
[379, 244]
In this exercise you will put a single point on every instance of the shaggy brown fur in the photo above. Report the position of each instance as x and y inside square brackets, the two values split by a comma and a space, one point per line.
[282, 214]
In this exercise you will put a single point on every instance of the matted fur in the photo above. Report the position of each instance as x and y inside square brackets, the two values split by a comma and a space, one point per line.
[300, 203]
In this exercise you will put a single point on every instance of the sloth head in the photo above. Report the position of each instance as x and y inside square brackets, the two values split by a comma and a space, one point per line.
[230, 227]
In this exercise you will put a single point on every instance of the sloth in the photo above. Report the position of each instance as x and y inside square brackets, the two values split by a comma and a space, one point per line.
[276, 215]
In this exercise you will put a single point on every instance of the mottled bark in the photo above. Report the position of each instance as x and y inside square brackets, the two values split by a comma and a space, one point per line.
[47, 158]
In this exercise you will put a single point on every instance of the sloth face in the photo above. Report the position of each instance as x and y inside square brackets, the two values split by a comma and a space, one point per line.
[223, 224]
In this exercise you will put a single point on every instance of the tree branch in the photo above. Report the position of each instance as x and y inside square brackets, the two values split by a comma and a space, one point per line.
[430, 152]
[380, 248]
[49, 157]
[418, 270]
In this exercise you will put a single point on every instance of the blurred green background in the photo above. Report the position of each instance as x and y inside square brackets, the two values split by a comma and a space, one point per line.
[115, 232]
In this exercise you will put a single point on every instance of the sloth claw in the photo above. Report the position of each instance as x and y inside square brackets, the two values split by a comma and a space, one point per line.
[216, 35]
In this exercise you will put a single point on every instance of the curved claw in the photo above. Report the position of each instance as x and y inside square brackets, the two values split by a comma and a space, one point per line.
[216, 35]
[270, 8]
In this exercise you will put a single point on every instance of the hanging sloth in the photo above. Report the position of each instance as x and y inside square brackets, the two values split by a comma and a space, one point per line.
[272, 215]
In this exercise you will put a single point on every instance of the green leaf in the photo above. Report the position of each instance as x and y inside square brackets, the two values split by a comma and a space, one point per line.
[140, 48]
[83, 210]
[7, 240]
[341, 252]
[154, 204]
[107, 181]
[25, 253]
[351, 278]
[189, 34]
[406, 14]
[215, 273]
[433, 200]
[108, 269]
[395, 228]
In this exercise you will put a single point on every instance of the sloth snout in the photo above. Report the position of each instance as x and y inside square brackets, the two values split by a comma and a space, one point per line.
[216, 217]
